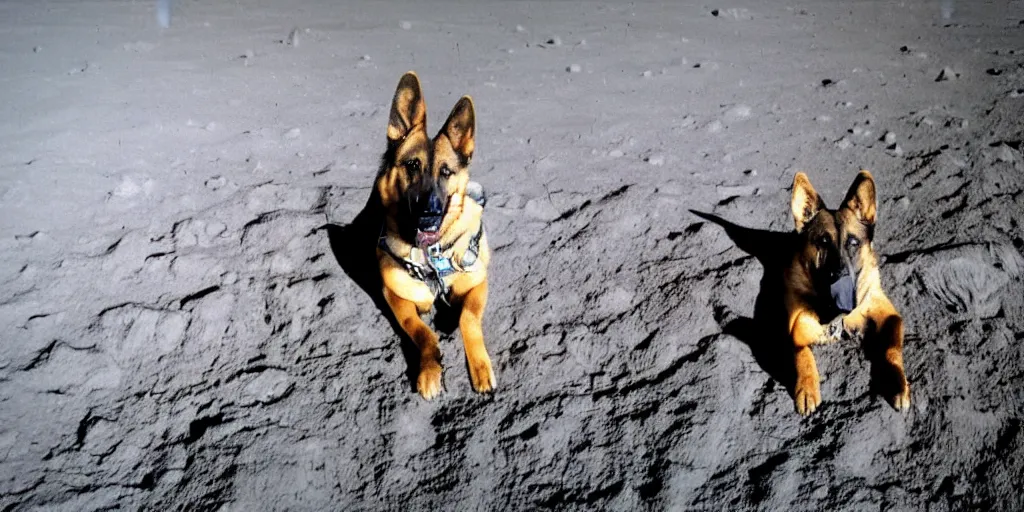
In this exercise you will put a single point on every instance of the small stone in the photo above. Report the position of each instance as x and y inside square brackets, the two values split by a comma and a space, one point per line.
[555, 41]
[827, 82]
[843, 143]
[714, 12]
[947, 74]
[520, 28]
[37, 49]
[889, 138]
[616, 153]
[895, 150]
[406, 25]
[215, 229]
[366, 58]
[293, 38]
[211, 126]
[655, 160]
[574, 68]
[216, 182]
[857, 131]
[293, 133]
[903, 203]
[823, 119]
[647, 74]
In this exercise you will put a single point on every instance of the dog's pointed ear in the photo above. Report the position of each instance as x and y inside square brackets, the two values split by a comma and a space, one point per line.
[460, 128]
[408, 110]
[861, 198]
[805, 203]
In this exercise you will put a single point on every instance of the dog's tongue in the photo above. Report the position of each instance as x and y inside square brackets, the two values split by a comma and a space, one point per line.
[427, 238]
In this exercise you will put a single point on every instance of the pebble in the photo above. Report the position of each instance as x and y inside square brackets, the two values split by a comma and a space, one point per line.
[555, 41]
[843, 143]
[656, 160]
[406, 25]
[293, 133]
[520, 28]
[889, 138]
[616, 153]
[647, 74]
[293, 38]
[947, 74]
[574, 68]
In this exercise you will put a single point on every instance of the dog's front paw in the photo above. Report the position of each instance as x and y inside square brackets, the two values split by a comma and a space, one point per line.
[893, 385]
[901, 402]
[429, 382]
[834, 331]
[808, 396]
[482, 374]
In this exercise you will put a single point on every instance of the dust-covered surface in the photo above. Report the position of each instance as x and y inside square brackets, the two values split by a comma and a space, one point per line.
[178, 331]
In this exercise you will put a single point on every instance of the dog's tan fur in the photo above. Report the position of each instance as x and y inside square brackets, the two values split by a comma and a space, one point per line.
[848, 230]
[409, 298]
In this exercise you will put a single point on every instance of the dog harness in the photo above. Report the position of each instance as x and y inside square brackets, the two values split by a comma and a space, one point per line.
[431, 266]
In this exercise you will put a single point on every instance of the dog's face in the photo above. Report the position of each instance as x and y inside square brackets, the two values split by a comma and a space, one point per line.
[857, 224]
[422, 181]
[819, 233]
[835, 244]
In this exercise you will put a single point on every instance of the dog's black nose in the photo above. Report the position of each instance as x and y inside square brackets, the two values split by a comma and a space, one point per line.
[432, 206]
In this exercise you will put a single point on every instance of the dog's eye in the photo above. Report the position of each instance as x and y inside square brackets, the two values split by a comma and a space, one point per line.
[853, 242]
[412, 165]
[446, 172]
[824, 240]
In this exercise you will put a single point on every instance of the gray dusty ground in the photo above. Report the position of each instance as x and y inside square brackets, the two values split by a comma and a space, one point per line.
[179, 330]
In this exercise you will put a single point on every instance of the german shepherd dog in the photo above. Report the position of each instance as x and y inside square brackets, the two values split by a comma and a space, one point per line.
[835, 269]
[432, 243]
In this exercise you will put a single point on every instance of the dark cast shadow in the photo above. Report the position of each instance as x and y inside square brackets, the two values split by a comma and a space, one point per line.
[355, 248]
[766, 333]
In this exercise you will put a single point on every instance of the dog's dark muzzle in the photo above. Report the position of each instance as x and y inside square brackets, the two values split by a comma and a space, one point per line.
[431, 213]
[844, 290]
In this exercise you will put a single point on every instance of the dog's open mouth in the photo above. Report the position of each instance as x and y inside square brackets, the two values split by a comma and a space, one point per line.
[428, 231]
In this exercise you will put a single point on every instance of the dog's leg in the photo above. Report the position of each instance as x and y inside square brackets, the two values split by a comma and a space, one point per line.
[806, 331]
[408, 316]
[470, 323]
[888, 347]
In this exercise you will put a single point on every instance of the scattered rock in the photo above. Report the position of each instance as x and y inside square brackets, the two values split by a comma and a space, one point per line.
[293, 38]
[655, 159]
[405, 25]
[947, 74]
[574, 68]
[843, 143]
[647, 74]
[268, 387]
[293, 133]
[889, 138]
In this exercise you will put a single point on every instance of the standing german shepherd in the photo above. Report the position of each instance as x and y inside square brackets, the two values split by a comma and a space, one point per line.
[835, 269]
[432, 243]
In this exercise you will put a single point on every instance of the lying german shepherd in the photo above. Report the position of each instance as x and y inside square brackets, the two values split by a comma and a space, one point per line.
[835, 268]
[432, 243]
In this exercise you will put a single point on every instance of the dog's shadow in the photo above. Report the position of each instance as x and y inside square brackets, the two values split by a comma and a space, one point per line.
[766, 333]
[355, 248]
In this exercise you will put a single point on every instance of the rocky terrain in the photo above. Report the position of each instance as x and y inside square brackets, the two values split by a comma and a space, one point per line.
[184, 301]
